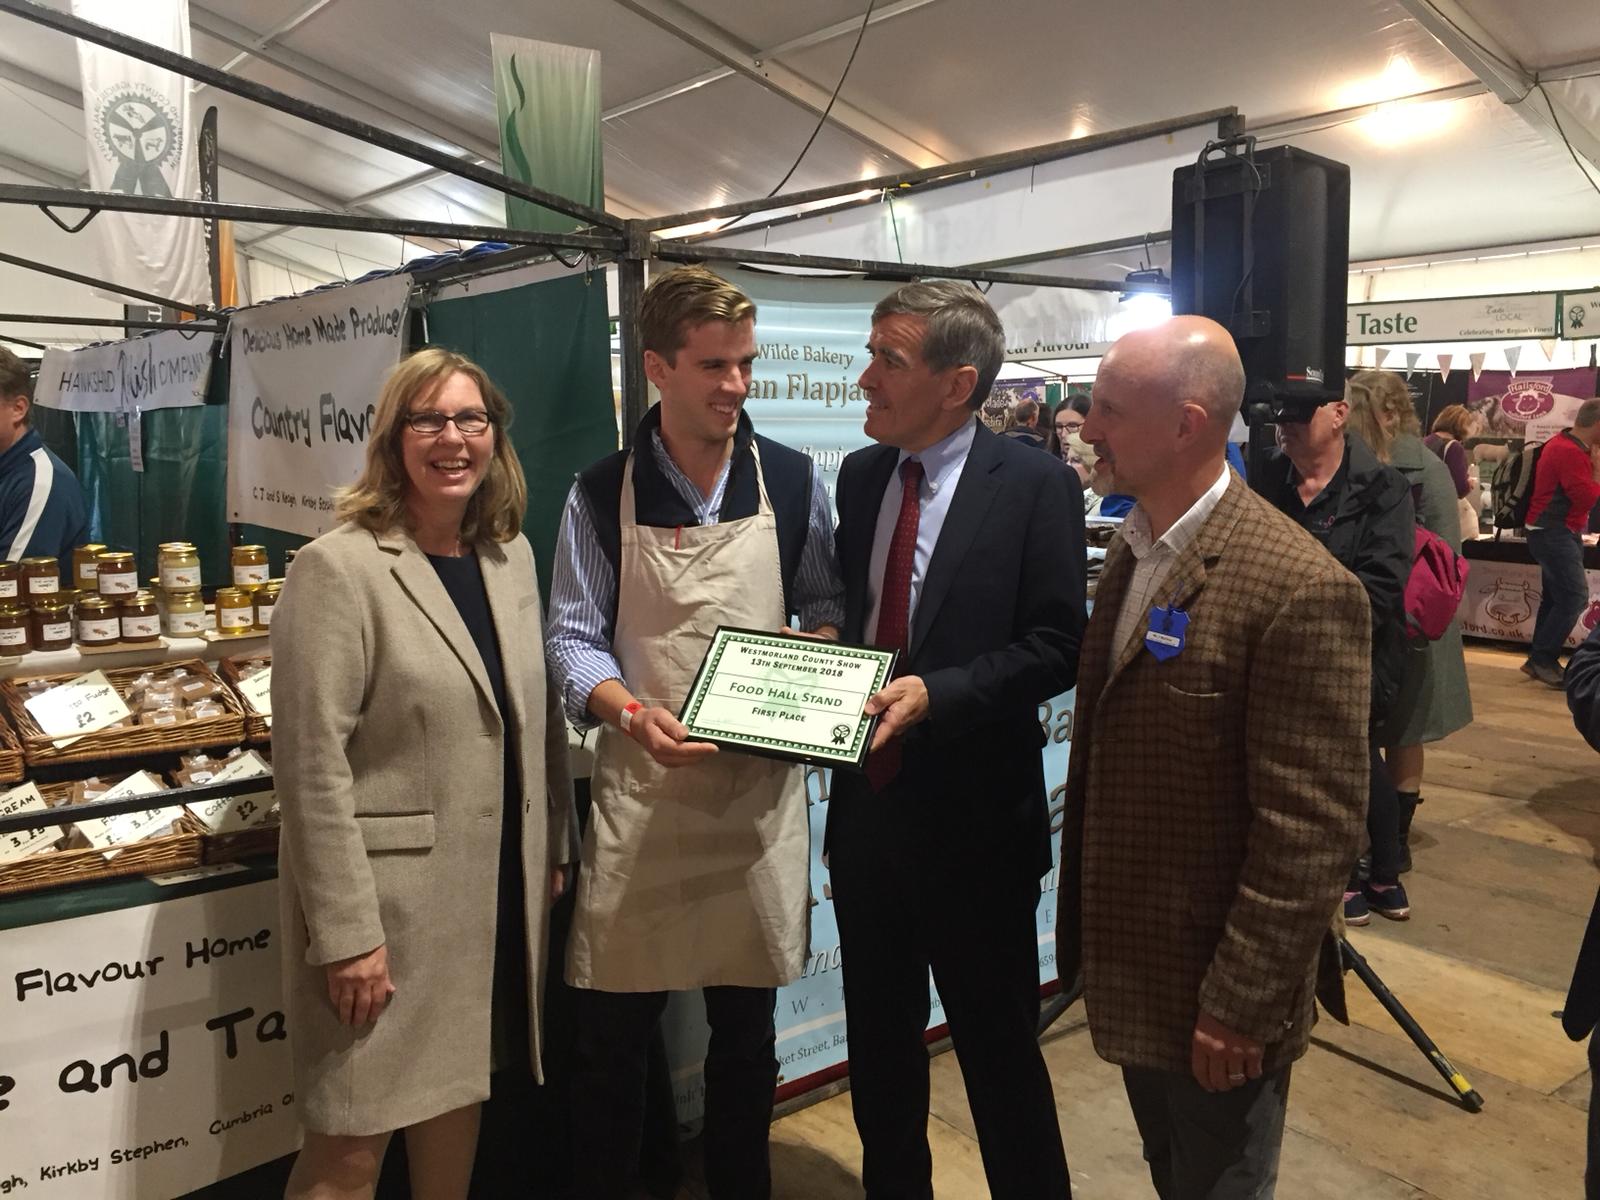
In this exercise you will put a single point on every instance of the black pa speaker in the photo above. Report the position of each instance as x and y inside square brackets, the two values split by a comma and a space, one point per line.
[1261, 245]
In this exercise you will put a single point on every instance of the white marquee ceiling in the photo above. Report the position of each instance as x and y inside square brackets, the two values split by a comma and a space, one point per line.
[934, 81]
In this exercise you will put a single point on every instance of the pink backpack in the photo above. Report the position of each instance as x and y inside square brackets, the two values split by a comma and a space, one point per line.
[1434, 588]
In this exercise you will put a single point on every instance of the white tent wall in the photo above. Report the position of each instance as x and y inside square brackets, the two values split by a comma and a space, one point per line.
[28, 233]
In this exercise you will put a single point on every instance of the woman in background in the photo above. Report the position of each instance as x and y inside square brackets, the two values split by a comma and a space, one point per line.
[1451, 428]
[1434, 700]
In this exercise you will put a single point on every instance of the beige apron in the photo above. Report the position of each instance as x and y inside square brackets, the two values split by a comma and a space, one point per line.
[692, 876]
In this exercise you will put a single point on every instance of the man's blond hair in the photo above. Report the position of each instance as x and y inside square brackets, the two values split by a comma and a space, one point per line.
[680, 299]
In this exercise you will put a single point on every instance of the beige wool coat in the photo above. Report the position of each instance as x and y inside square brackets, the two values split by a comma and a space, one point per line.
[388, 754]
[1215, 801]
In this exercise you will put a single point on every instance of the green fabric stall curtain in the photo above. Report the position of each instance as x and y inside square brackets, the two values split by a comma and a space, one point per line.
[181, 495]
[547, 347]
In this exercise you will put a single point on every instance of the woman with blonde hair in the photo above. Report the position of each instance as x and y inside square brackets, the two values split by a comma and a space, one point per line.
[427, 808]
[1434, 700]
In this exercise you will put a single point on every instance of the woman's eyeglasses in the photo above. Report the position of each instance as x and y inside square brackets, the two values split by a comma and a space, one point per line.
[469, 424]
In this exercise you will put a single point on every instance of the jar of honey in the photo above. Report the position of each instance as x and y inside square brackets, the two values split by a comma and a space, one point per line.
[266, 598]
[250, 566]
[186, 615]
[141, 623]
[14, 628]
[116, 574]
[10, 579]
[51, 624]
[235, 612]
[180, 568]
[85, 566]
[98, 622]
[40, 577]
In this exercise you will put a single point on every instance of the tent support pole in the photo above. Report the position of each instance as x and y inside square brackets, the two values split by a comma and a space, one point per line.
[29, 264]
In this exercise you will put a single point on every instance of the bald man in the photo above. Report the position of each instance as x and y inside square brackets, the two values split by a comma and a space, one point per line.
[1218, 774]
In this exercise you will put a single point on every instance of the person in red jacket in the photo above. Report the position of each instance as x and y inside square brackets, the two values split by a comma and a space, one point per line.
[1566, 483]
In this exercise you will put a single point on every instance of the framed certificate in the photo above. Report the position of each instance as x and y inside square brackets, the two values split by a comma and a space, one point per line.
[787, 697]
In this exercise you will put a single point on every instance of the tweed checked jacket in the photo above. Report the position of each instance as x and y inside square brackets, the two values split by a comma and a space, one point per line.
[1215, 801]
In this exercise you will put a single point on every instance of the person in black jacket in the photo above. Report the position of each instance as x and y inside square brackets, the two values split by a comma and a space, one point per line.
[1582, 1011]
[1334, 486]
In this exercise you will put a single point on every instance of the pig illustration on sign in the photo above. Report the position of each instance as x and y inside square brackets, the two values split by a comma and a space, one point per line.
[1511, 601]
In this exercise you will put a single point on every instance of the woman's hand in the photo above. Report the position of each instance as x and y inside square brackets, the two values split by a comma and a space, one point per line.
[559, 876]
[360, 987]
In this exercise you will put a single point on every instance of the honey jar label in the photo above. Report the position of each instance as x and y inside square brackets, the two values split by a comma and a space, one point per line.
[236, 618]
[180, 579]
[118, 583]
[99, 629]
[188, 623]
[44, 585]
[244, 576]
[87, 574]
[264, 615]
[8, 589]
[141, 627]
[55, 631]
[13, 637]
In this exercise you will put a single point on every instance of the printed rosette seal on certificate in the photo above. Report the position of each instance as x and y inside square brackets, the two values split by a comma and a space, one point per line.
[796, 698]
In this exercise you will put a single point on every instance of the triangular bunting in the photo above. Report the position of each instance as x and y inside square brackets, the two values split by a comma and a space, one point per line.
[1548, 345]
[1477, 364]
[1513, 353]
[1444, 367]
[1412, 359]
[1380, 355]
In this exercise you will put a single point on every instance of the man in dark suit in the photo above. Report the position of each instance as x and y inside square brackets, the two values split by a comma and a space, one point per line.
[1582, 1011]
[965, 550]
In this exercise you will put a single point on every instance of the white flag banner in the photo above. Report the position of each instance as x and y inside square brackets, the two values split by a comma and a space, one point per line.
[1513, 355]
[1411, 363]
[1444, 366]
[141, 142]
[302, 394]
[1380, 355]
[1477, 363]
[169, 369]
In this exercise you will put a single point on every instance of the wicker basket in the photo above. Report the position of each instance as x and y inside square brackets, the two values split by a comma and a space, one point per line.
[257, 728]
[241, 844]
[11, 764]
[39, 749]
[170, 853]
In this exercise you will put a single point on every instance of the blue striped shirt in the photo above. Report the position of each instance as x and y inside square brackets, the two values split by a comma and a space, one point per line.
[583, 587]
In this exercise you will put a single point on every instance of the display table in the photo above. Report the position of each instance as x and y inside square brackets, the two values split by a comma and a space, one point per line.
[174, 649]
[1503, 591]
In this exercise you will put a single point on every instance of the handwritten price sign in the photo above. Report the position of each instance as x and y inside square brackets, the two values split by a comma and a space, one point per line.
[82, 705]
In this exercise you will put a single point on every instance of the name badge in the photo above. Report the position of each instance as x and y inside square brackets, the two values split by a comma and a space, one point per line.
[1167, 633]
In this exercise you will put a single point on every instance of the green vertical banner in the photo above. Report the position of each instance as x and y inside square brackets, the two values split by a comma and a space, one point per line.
[546, 345]
[548, 97]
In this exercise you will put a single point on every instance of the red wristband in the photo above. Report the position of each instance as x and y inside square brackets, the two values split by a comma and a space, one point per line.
[625, 717]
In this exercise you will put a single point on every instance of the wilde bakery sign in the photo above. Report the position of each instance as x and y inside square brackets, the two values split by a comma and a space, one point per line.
[1454, 319]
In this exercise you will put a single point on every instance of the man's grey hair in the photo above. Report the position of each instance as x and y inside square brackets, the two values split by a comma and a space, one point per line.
[1588, 414]
[963, 331]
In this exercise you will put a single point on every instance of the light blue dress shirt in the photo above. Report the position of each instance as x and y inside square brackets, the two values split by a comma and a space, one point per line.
[583, 587]
[942, 464]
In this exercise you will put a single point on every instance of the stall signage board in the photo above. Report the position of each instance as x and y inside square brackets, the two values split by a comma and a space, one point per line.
[1535, 405]
[1502, 601]
[303, 392]
[1455, 319]
[1580, 314]
[170, 369]
[143, 1051]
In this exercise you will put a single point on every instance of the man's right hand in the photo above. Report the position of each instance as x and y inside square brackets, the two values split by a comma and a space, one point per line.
[360, 987]
[665, 739]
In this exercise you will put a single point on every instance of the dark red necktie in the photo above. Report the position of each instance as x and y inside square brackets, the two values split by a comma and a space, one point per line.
[894, 605]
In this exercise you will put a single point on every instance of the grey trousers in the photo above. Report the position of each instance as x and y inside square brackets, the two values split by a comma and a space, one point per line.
[1209, 1145]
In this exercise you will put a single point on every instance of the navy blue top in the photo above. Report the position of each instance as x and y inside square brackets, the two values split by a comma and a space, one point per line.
[42, 510]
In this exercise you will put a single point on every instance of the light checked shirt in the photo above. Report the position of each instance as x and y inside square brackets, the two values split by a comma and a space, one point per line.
[1153, 558]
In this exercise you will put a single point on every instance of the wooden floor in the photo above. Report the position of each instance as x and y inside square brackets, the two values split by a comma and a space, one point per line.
[1506, 846]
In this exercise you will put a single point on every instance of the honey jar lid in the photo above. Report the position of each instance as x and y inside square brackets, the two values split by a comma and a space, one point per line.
[140, 597]
[90, 548]
[95, 602]
[232, 593]
[13, 608]
[115, 556]
[38, 562]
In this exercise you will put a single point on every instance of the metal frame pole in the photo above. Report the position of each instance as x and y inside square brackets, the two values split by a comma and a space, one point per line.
[109, 322]
[255, 214]
[88, 31]
[693, 252]
[16, 341]
[630, 293]
[29, 264]
[952, 173]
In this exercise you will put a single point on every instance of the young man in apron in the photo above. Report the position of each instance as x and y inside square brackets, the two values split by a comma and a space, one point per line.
[696, 861]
